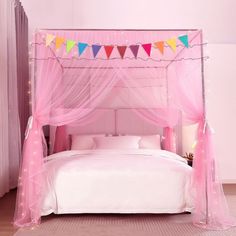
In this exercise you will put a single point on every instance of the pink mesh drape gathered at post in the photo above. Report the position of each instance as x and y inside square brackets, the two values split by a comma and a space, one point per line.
[164, 89]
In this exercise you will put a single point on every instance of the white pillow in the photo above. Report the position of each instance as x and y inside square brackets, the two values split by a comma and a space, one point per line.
[150, 142]
[84, 142]
[117, 142]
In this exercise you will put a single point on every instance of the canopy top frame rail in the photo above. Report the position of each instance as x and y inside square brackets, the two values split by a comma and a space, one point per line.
[85, 29]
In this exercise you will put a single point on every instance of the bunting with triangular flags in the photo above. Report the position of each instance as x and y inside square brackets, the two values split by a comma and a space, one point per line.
[59, 42]
[121, 50]
[96, 49]
[172, 43]
[108, 50]
[147, 47]
[49, 39]
[184, 40]
[69, 45]
[134, 49]
[160, 46]
[82, 47]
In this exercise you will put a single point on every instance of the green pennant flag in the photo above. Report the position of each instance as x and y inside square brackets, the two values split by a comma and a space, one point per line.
[69, 45]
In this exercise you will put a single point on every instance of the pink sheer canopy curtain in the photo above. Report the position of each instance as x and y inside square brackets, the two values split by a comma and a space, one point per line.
[161, 89]
[12, 14]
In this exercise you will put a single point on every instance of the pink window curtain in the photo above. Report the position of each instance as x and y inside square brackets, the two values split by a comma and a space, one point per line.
[11, 16]
[64, 95]
[22, 66]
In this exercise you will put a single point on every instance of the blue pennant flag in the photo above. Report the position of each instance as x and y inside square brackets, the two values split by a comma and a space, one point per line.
[96, 49]
[184, 40]
[82, 47]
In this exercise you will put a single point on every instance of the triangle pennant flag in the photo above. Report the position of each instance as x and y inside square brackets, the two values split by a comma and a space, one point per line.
[121, 50]
[108, 50]
[49, 39]
[82, 47]
[172, 43]
[160, 46]
[134, 50]
[184, 40]
[69, 45]
[59, 42]
[96, 49]
[147, 47]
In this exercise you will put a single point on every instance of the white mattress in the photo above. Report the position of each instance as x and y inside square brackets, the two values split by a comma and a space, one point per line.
[116, 181]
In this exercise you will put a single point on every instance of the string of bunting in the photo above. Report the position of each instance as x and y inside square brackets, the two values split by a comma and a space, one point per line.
[159, 45]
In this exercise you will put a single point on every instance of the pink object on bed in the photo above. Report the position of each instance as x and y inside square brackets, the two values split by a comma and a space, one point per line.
[83, 142]
[117, 142]
[150, 142]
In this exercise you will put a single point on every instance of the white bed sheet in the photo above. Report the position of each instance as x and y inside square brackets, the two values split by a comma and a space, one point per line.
[116, 181]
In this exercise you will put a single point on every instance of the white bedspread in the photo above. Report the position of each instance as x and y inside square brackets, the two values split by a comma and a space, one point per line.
[116, 181]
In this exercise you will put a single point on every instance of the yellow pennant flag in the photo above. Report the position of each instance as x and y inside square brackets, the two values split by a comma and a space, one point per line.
[49, 39]
[172, 43]
[59, 42]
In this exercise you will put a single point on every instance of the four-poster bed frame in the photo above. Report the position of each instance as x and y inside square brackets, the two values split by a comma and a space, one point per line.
[205, 214]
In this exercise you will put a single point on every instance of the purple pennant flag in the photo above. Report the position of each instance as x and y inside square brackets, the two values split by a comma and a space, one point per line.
[134, 49]
[96, 49]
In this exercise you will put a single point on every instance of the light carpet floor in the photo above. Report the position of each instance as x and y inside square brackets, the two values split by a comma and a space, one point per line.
[123, 225]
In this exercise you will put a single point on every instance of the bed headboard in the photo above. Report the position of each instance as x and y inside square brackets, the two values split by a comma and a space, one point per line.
[116, 122]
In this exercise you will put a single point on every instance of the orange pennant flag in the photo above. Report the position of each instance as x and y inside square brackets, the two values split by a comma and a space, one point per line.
[172, 43]
[160, 46]
[59, 42]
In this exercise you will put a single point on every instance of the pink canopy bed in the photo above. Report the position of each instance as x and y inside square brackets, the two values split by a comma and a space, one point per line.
[117, 101]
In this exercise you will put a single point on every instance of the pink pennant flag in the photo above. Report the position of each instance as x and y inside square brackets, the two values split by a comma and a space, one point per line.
[147, 47]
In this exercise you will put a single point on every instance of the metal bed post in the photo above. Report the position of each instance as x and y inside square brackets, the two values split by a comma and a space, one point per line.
[205, 120]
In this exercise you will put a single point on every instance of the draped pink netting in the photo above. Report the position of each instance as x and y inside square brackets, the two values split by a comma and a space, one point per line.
[164, 89]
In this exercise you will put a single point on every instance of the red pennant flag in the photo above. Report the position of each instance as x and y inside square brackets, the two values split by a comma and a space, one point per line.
[147, 47]
[160, 46]
[108, 50]
[122, 50]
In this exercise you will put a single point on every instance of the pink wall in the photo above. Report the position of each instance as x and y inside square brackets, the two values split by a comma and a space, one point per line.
[216, 18]
[221, 104]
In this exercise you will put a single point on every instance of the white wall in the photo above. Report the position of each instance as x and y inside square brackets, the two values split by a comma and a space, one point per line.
[215, 17]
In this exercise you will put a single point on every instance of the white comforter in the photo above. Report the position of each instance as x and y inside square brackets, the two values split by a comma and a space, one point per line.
[116, 181]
